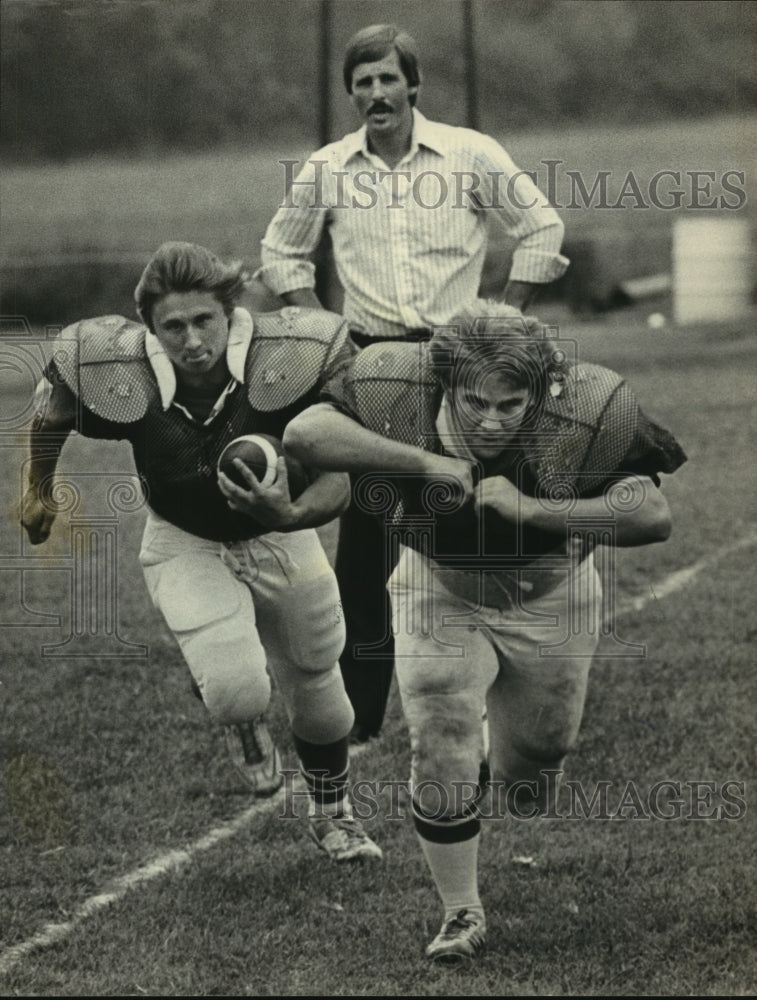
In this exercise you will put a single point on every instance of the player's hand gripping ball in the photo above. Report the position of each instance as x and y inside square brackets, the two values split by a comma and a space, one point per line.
[260, 452]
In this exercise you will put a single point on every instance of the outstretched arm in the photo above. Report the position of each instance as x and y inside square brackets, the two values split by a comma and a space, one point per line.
[639, 510]
[55, 420]
[323, 437]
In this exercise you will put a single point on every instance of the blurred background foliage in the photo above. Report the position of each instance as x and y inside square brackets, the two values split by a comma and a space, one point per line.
[134, 77]
[127, 122]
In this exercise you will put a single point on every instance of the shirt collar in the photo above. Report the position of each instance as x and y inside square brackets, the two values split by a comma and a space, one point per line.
[240, 335]
[425, 133]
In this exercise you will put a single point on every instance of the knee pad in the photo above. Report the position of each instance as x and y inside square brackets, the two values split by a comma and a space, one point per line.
[213, 621]
[446, 753]
[528, 779]
[309, 626]
[320, 711]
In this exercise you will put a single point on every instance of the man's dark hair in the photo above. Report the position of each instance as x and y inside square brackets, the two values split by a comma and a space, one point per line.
[188, 267]
[377, 41]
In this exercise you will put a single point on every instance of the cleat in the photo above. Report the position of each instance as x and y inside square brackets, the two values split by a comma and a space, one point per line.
[460, 940]
[255, 756]
[343, 838]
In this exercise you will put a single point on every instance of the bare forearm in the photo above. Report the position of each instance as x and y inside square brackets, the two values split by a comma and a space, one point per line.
[326, 498]
[520, 294]
[636, 509]
[37, 507]
[44, 451]
[323, 437]
[50, 429]
[304, 297]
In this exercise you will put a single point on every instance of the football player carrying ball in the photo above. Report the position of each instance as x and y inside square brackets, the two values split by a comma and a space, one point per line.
[237, 571]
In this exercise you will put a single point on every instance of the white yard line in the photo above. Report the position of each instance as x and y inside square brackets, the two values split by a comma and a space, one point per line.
[52, 933]
[682, 577]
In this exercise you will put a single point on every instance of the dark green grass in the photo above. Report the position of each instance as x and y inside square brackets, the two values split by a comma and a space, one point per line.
[608, 907]
[106, 765]
[119, 206]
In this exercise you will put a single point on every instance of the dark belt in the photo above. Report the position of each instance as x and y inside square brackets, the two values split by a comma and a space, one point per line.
[414, 334]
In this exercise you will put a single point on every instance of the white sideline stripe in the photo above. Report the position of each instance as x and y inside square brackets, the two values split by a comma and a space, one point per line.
[682, 577]
[52, 933]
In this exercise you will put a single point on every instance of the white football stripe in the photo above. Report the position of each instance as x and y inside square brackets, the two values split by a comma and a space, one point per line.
[51, 933]
[270, 456]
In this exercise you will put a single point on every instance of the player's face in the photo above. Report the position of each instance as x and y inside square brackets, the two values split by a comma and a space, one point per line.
[194, 331]
[381, 94]
[489, 411]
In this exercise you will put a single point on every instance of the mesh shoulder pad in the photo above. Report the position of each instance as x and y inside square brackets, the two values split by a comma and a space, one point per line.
[103, 362]
[585, 431]
[394, 361]
[392, 391]
[287, 355]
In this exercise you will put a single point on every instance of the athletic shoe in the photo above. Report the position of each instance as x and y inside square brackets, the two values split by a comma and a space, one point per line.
[460, 940]
[343, 838]
[255, 756]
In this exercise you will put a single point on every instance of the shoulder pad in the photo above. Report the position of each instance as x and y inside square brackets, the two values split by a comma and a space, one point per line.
[391, 390]
[287, 354]
[102, 361]
[585, 430]
[582, 394]
[393, 361]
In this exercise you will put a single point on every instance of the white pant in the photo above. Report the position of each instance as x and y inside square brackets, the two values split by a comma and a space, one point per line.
[238, 608]
[456, 655]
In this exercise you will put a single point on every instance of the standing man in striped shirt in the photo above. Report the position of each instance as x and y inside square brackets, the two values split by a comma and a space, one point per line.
[406, 202]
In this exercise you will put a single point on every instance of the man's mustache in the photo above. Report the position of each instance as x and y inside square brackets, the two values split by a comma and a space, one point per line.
[379, 106]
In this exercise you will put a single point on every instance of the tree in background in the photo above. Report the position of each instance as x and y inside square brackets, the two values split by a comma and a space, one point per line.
[94, 76]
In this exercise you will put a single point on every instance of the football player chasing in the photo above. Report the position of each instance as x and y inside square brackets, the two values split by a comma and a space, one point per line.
[507, 466]
[238, 574]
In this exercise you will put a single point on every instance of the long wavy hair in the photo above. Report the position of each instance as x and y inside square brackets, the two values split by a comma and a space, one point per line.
[188, 267]
[489, 337]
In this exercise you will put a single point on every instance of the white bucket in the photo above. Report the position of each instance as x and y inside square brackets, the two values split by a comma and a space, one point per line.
[713, 269]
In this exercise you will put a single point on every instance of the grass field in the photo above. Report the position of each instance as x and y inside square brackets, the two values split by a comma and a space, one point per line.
[73, 236]
[133, 862]
[109, 764]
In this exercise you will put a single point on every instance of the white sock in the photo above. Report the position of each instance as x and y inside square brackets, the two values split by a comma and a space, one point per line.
[455, 871]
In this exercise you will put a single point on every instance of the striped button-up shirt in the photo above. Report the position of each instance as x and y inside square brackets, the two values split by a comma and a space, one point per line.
[409, 243]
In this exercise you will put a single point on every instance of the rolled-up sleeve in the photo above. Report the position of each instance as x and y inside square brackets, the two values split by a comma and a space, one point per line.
[295, 231]
[513, 198]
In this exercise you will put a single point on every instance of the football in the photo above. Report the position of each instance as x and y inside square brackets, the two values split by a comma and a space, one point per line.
[259, 452]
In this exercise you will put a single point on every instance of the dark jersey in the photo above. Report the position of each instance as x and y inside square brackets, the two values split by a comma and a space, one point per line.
[589, 435]
[291, 355]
